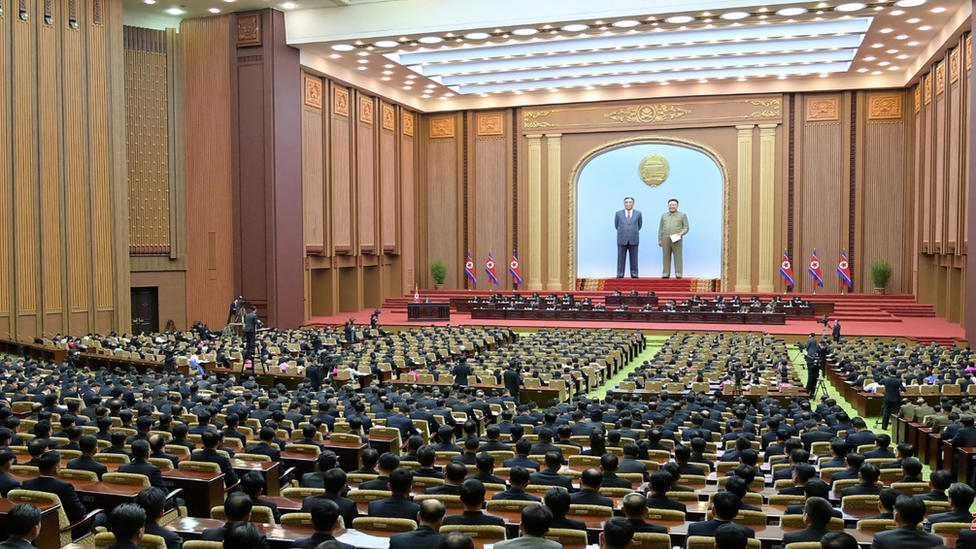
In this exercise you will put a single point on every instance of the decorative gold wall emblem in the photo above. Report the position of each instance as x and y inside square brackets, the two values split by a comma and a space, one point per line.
[491, 124]
[340, 101]
[313, 92]
[646, 114]
[882, 107]
[940, 77]
[389, 118]
[823, 109]
[954, 65]
[441, 128]
[927, 88]
[407, 123]
[654, 169]
[366, 110]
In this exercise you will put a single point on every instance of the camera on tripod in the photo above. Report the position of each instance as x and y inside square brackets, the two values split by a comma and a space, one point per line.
[825, 320]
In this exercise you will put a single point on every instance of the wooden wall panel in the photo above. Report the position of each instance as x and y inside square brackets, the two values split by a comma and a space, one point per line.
[389, 220]
[209, 280]
[75, 174]
[926, 168]
[98, 154]
[940, 111]
[24, 183]
[49, 151]
[6, 219]
[147, 142]
[883, 204]
[953, 175]
[414, 269]
[490, 199]
[366, 187]
[823, 225]
[312, 178]
[442, 209]
[341, 183]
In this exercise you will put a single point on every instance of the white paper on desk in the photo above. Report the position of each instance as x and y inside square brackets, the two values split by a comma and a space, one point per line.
[675, 237]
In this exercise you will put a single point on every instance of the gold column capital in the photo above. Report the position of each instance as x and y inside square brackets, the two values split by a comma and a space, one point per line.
[767, 127]
[745, 128]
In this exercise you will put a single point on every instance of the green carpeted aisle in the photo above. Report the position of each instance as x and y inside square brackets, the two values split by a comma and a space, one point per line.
[654, 344]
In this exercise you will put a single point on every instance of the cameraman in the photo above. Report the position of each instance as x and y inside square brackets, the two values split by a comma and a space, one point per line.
[814, 357]
[250, 331]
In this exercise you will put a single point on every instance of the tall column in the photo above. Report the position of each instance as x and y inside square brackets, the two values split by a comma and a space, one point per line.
[535, 212]
[554, 144]
[767, 191]
[743, 211]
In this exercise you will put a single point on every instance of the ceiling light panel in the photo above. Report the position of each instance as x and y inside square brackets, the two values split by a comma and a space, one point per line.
[852, 25]
[849, 41]
[677, 64]
[826, 68]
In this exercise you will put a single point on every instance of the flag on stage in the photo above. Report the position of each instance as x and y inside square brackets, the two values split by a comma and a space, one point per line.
[815, 270]
[786, 269]
[514, 269]
[844, 269]
[469, 270]
[416, 293]
[490, 269]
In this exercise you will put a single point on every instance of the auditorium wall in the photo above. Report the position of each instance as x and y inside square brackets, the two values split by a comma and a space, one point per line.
[63, 213]
[359, 167]
[797, 174]
[940, 106]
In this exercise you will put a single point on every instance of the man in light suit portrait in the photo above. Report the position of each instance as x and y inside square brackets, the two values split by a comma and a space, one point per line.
[672, 223]
[628, 222]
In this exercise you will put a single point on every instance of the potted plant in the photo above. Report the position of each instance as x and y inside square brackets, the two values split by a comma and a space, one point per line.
[881, 271]
[438, 271]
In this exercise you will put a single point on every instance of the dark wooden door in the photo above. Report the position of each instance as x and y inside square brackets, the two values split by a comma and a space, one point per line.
[145, 310]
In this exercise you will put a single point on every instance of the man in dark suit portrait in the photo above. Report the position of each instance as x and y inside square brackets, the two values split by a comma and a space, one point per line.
[238, 508]
[209, 453]
[128, 523]
[817, 513]
[461, 373]
[431, 517]
[635, 509]
[334, 482]
[49, 464]
[724, 508]
[673, 223]
[550, 476]
[397, 505]
[909, 511]
[153, 502]
[473, 497]
[86, 461]
[892, 389]
[325, 517]
[628, 222]
[513, 380]
[139, 465]
[590, 482]
[24, 525]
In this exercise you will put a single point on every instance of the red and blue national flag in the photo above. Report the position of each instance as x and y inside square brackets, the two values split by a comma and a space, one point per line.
[786, 269]
[469, 270]
[514, 269]
[844, 269]
[490, 269]
[815, 270]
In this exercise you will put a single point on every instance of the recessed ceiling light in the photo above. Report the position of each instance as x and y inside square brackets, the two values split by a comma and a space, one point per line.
[626, 85]
[590, 87]
[870, 58]
[680, 19]
[665, 83]
[914, 20]
[782, 77]
[477, 35]
[150, 2]
[445, 99]
[228, 1]
[289, 5]
[408, 87]
[877, 46]
[791, 12]
[525, 32]
[892, 68]
[703, 81]
[388, 66]
[741, 79]
[386, 44]
[576, 27]
[335, 56]
[903, 56]
[925, 28]
[387, 72]
[884, 64]
[938, 10]
[892, 51]
[876, 73]
[734, 15]
[901, 37]
[862, 70]
[362, 68]
[886, 31]
[626, 23]
[425, 96]
[550, 89]
[431, 40]
[913, 43]
[174, 11]
[909, 3]
[824, 75]
[214, 10]
[343, 47]
[851, 6]
[363, 60]
[897, 12]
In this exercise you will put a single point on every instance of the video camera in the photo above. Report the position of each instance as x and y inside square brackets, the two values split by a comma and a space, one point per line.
[824, 320]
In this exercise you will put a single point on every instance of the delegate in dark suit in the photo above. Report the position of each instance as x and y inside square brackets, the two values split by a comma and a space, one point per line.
[394, 507]
[87, 463]
[905, 538]
[171, 538]
[64, 490]
[230, 477]
[807, 534]
[218, 533]
[513, 382]
[461, 373]
[424, 536]
[141, 467]
[628, 223]
[347, 507]
[892, 389]
[708, 528]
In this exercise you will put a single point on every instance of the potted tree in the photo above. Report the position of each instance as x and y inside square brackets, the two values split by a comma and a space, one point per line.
[438, 271]
[881, 271]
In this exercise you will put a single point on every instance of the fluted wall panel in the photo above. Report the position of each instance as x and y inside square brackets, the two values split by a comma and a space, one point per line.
[389, 219]
[209, 177]
[953, 175]
[442, 208]
[883, 208]
[98, 156]
[48, 152]
[341, 185]
[366, 182]
[76, 174]
[939, 113]
[823, 225]
[312, 179]
[489, 205]
[409, 220]
[6, 219]
[24, 184]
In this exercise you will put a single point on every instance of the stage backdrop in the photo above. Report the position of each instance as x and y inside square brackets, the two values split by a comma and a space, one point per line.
[694, 179]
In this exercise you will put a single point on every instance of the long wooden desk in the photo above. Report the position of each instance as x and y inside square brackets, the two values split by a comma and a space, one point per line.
[50, 536]
[33, 350]
[540, 395]
[349, 455]
[630, 316]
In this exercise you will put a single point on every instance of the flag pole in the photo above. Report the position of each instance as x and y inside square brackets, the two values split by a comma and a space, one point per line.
[844, 250]
[814, 285]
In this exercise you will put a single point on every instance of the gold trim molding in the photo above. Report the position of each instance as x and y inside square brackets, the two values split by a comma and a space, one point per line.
[647, 114]
[573, 182]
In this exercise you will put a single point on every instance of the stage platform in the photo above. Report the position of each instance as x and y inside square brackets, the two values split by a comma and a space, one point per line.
[897, 315]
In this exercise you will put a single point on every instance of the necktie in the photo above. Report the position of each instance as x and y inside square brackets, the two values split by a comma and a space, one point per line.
[628, 214]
